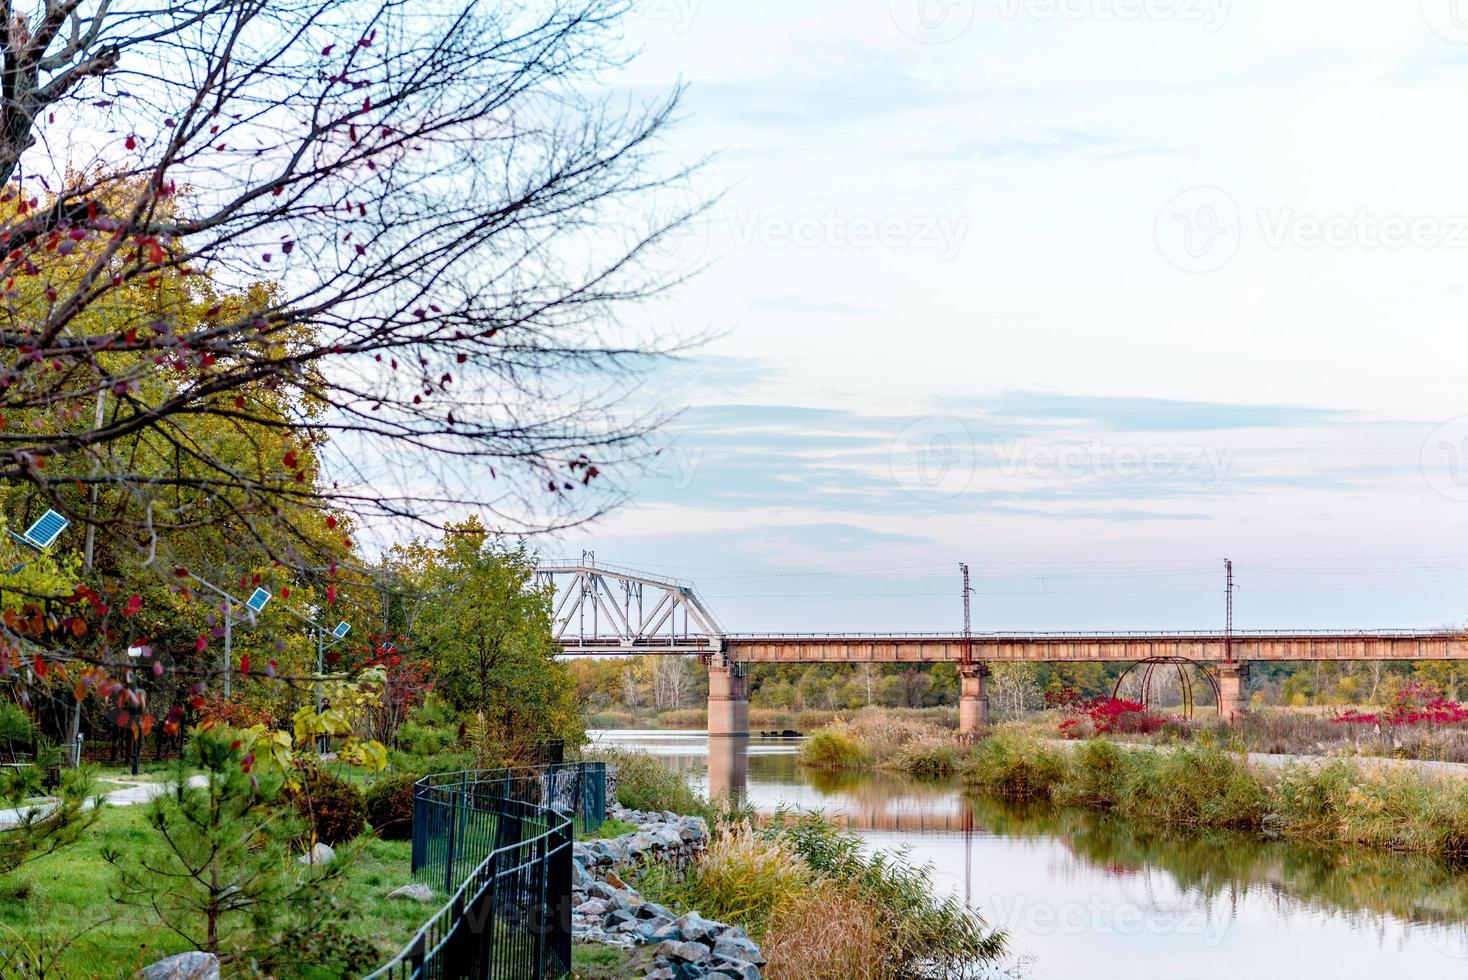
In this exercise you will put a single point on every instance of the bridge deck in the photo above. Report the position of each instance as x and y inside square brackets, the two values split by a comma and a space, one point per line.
[1052, 647]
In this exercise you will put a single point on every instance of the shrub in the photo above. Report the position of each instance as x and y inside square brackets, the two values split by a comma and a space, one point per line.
[826, 934]
[429, 729]
[1015, 766]
[831, 748]
[333, 809]
[1096, 776]
[389, 803]
[742, 877]
[928, 758]
[922, 934]
[1199, 785]
[644, 783]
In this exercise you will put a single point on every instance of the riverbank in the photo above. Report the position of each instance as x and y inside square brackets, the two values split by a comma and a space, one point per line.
[812, 903]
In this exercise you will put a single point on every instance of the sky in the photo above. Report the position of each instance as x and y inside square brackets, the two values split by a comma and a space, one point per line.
[1090, 294]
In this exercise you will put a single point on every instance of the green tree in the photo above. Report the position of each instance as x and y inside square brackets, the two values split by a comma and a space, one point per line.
[486, 629]
[217, 870]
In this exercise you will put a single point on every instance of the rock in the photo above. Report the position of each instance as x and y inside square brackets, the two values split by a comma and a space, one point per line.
[184, 966]
[652, 910]
[592, 906]
[666, 931]
[738, 948]
[684, 952]
[698, 929]
[319, 854]
[416, 892]
[733, 969]
[600, 889]
[661, 973]
[618, 918]
[616, 882]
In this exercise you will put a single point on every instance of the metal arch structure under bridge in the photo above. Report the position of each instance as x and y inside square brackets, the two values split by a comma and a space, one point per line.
[607, 610]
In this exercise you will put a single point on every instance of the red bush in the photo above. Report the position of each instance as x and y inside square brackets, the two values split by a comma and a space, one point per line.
[1415, 704]
[1108, 715]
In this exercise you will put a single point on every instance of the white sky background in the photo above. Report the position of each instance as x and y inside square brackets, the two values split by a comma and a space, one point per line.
[1045, 291]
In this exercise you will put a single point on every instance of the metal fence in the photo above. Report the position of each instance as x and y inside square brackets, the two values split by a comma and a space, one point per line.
[499, 842]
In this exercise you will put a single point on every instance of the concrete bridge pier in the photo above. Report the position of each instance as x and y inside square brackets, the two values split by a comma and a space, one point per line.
[728, 699]
[973, 699]
[1232, 677]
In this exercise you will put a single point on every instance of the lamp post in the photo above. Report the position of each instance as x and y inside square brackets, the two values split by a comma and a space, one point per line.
[255, 604]
[316, 629]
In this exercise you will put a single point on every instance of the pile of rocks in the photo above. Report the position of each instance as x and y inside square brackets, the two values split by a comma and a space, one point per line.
[607, 910]
[663, 837]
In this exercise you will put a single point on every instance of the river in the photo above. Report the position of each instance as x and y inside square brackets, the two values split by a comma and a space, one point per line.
[1084, 895]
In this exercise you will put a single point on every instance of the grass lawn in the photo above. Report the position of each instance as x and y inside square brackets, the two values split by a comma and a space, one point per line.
[58, 896]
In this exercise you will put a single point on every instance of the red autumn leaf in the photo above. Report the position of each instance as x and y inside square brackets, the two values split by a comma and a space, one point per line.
[146, 724]
[285, 592]
[239, 401]
[245, 664]
[123, 718]
[134, 603]
[290, 459]
[40, 666]
[327, 50]
[202, 643]
[131, 143]
[330, 521]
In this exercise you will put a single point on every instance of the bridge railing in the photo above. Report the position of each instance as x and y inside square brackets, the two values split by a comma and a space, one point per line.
[499, 843]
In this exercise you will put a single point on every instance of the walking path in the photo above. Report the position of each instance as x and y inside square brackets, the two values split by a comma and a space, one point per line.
[128, 794]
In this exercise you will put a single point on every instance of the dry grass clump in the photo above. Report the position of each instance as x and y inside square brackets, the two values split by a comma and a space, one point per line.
[880, 739]
[826, 934]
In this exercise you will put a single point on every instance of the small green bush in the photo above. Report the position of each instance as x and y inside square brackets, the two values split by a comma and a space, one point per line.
[832, 749]
[333, 809]
[390, 806]
[1096, 776]
[1201, 785]
[1015, 766]
[927, 759]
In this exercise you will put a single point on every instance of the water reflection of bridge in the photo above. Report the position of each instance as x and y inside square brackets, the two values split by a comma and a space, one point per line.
[870, 801]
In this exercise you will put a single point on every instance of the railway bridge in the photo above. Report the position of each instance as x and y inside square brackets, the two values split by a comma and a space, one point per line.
[605, 610]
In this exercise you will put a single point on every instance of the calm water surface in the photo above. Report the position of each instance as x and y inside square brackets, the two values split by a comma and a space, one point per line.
[1082, 895]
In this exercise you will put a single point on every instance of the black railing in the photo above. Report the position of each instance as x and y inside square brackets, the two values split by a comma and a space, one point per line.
[499, 843]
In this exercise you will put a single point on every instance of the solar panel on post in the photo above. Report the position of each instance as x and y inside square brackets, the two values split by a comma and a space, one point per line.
[342, 629]
[46, 530]
[257, 600]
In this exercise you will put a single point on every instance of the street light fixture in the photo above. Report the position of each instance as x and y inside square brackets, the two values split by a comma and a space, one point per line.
[39, 536]
[320, 632]
[254, 604]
